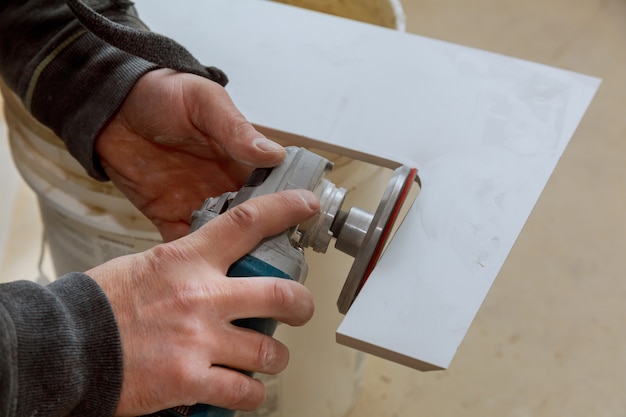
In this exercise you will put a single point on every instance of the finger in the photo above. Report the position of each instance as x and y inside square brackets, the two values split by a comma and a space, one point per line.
[214, 114]
[229, 388]
[238, 230]
[282, 299]
[249, 350]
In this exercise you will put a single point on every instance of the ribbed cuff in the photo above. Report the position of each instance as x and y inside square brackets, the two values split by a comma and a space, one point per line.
[69, 355]
[81, 89]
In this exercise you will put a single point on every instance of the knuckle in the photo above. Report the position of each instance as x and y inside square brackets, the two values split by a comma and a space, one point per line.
[161, 252]
[265, 354]
[193, 329]
[167, 254]
[188, 374]
[295, 300]
[234, 124]
[244, 216]
[239, 124]
[283, 294]
[245, 393]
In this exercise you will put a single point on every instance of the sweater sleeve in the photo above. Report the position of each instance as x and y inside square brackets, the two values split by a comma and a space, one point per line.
[67, 77]
[74, 80]
[60, 352]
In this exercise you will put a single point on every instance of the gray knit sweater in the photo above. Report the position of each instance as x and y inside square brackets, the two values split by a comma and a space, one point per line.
[60, 352]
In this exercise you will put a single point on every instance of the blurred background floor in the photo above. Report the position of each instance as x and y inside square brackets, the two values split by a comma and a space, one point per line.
[550, 339]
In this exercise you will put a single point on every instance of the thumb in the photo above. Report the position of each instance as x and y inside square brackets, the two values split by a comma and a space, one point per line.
[238, 230]
[217, 116]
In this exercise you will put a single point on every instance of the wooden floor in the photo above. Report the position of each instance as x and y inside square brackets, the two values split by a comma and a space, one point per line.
[550, 339]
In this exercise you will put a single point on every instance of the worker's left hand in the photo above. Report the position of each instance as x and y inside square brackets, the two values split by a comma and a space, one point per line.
[176, 140]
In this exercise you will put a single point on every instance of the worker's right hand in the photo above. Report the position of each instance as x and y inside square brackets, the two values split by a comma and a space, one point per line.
[174, 306]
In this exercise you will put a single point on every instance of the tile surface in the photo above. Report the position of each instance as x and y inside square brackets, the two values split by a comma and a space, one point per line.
[485, 130]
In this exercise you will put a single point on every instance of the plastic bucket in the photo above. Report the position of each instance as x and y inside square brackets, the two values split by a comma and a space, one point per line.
[386, 13]
[87, 222]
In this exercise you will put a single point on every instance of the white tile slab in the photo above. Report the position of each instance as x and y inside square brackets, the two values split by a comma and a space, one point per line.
[486, 131]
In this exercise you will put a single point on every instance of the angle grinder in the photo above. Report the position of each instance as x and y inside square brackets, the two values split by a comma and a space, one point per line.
[357, 233]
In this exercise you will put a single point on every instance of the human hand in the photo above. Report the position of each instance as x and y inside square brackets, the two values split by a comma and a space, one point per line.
[178, 139]
[174, 306]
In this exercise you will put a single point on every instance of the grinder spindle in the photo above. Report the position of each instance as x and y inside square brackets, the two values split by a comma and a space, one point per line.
[358, 233]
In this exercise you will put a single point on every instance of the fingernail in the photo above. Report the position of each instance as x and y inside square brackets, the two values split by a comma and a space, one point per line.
[309, 198]
[267, 145]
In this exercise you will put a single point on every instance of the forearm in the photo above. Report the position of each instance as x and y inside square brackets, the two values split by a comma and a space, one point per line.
[60, 352]
[67, 77]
